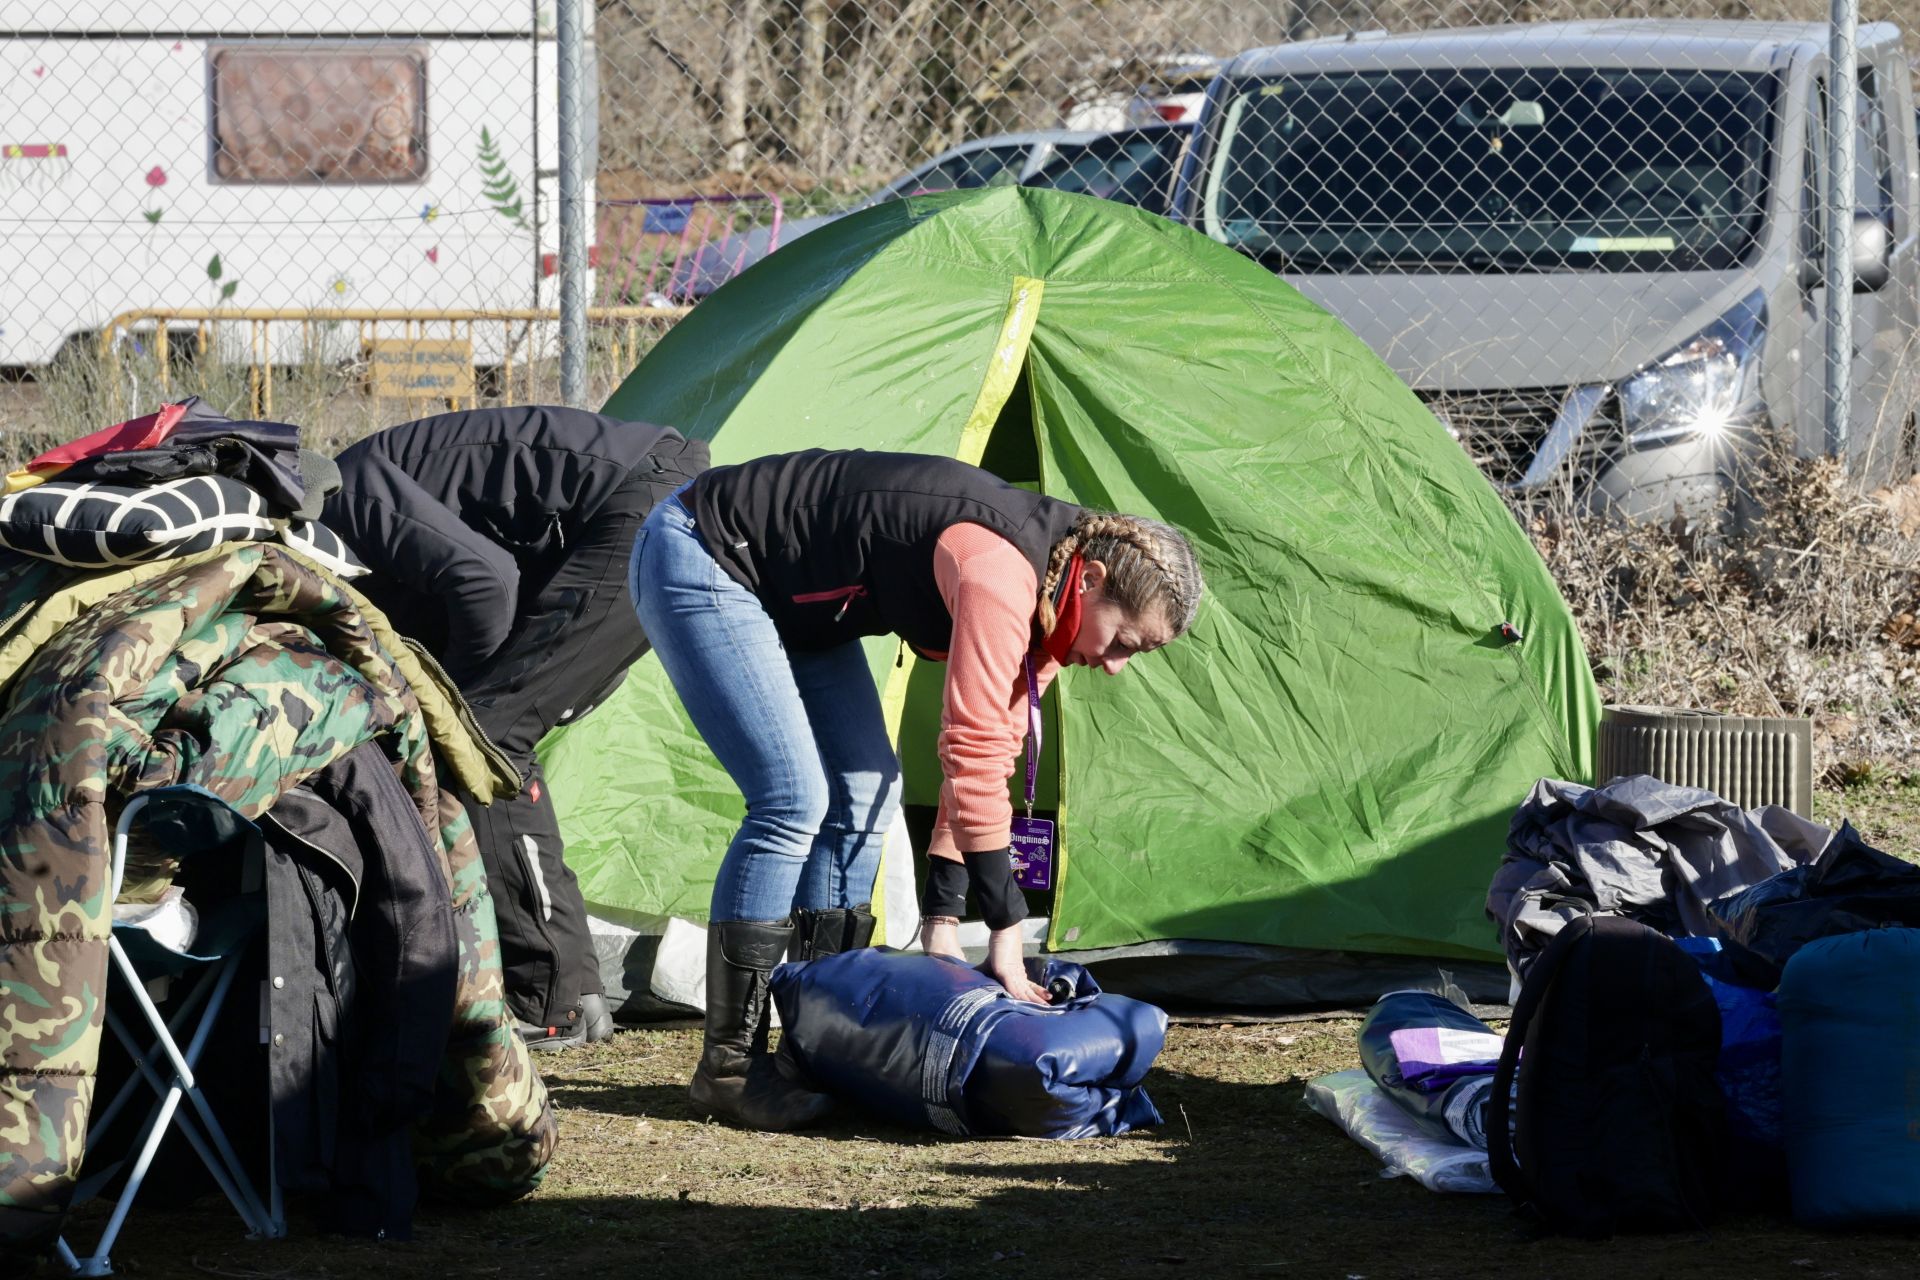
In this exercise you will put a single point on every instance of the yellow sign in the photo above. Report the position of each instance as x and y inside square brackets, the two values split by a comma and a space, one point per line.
[421, 368]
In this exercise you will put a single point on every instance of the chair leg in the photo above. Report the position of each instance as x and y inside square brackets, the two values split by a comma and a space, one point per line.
[222, 1163]
[176, 1026]
[206, 1136]
[100, 1262]
[246, 1201]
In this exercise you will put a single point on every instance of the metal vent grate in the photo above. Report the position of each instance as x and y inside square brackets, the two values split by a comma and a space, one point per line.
[1748, 760]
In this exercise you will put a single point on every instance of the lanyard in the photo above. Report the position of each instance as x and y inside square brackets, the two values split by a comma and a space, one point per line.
[1033, 732]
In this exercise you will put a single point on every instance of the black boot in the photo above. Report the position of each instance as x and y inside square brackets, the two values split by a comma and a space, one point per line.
[737, 1080]
[830, 930]
[817, 933]
[859, 928]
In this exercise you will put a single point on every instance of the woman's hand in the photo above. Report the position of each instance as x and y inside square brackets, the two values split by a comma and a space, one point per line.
[1008, 967]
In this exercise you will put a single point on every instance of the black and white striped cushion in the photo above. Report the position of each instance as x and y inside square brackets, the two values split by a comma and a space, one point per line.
[98, 526]
[324, 547]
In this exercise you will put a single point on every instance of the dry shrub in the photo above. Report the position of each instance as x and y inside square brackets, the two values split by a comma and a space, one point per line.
[1806, 609]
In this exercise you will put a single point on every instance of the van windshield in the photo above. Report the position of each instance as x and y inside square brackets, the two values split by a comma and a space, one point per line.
[1519, 169]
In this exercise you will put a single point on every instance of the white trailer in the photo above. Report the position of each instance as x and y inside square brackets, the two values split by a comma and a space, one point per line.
[339, 154]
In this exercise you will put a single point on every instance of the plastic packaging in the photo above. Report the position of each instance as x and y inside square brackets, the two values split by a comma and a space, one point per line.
[1850, 887]
[1400, 1142]
[1434, 1060]
[170, 921]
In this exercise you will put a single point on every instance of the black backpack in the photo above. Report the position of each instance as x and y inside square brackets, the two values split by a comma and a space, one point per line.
[1617, 1123]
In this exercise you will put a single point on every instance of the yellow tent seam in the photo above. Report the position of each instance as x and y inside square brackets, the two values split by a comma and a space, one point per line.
[1003, 368]
[1009, 354]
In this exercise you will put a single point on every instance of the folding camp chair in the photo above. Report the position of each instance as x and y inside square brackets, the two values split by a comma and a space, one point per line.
[161, 1063]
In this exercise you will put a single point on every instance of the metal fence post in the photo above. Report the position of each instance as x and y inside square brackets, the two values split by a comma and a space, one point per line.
[1842, 105]
[569, 32]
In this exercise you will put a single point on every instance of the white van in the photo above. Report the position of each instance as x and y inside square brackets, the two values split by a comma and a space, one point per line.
[1595, 249]
[347, 154]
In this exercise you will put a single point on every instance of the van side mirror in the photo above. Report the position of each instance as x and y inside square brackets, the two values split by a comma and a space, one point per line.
[1872, 248]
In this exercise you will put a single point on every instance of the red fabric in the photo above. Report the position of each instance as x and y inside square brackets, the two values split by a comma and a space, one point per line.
[135, 433]
[1066, 621]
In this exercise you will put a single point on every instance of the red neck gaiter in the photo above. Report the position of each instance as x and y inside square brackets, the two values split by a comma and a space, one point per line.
[1066, 613]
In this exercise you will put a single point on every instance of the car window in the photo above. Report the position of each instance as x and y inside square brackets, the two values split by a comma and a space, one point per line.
[987, 167]
[1813, 242]
[1132, 168]
[1872, 156]
[1494, 169]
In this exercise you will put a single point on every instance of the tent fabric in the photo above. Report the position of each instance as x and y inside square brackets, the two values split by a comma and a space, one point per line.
[1328, 760]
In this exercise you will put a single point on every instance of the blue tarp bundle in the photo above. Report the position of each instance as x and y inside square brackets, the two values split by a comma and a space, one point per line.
[933, 1043]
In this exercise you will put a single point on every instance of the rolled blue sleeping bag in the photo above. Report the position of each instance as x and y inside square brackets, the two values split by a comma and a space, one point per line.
[1850, 1059]
[931, 1042]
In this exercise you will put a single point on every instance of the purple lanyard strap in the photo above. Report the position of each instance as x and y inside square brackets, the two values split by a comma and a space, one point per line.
[1033, 732]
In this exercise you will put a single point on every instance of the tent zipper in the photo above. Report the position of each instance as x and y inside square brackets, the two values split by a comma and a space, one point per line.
[488, 747]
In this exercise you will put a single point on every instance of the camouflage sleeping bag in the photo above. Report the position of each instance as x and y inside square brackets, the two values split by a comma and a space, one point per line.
[243, 671]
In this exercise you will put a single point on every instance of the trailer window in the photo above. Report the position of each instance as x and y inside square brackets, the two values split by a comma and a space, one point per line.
[340, 115]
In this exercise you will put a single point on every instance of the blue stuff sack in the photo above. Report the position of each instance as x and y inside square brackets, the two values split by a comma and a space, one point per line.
[1850, 1012]
[1749, 1069]
[932, 1043]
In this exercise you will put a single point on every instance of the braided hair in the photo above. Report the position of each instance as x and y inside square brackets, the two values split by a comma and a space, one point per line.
[1150, 566]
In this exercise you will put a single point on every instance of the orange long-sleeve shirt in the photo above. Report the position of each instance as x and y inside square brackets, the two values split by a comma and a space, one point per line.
[990, 590]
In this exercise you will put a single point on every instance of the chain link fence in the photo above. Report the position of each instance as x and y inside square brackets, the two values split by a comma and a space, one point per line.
[1515, 219]
[1520, 220]
[1596, 236]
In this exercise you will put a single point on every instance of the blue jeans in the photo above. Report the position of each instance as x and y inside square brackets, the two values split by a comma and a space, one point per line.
[801, 734]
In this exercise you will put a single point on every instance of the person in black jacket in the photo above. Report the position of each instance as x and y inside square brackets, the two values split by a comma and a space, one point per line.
[498, 538]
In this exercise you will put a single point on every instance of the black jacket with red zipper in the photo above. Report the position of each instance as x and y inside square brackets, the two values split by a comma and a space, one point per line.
[839, 544]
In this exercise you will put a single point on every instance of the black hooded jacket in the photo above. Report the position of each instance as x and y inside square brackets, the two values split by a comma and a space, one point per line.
[464, 516]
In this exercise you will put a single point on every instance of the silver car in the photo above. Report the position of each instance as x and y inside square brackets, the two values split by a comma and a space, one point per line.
[1594, 248]
[1134, 166]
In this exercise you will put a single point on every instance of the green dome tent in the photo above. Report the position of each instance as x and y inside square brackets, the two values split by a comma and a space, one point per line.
[1327, 762]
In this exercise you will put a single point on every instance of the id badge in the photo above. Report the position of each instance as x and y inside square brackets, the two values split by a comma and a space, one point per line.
[1032, 848]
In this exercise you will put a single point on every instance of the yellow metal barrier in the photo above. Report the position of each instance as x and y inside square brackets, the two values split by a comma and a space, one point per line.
[624, 322]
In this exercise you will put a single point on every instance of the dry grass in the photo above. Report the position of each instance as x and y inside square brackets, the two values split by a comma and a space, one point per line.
[325, 394]
[1242, 1180]
[1806, 611]
[1813, 609]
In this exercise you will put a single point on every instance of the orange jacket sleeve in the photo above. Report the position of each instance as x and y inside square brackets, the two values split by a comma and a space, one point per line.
[990, 590]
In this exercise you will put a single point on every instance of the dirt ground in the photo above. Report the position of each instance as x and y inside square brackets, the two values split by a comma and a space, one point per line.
[1241, 1180]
